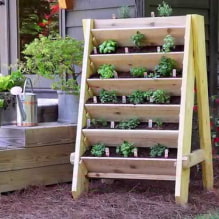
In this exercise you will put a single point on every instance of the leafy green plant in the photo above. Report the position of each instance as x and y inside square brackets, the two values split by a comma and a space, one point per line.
[138, 71]
[138, 39]
[106, 71]
[108, 96]
[108, 46]
[137, 97]
[157, 150]
[98, 149]
[169, 43]
[165, 66]
[54, 57]
[148, 94]
[101, 122]
[129, 124]
[158, 123]
[153, 75]
[164, 10]
[125, 149]
[160, 96]
[124, 12]
[2, 101]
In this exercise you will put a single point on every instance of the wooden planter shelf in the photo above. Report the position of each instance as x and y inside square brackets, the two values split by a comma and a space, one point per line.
[191, 62]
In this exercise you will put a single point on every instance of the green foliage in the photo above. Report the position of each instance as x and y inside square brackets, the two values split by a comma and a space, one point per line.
[108, 46]
[137, 97]
[54, 57]
[106, 71]
[101, 122]
[138, 39]
[148, 94]
[138, 71]
[158, 123]
[153, 75]
[160, 96]
[169, 43]
[2, 101]
[165, 67]
[98, 149]
[129, 124]
[108, 96]
[157, 150]
[125, 149]
[164, 10]
[124, 12]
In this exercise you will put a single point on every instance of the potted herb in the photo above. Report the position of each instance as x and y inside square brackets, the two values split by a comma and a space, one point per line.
[160, 96]
[157, 150]
[108, 96]
[54, 57]
[125, 149]
[98, 150]
[108, 46]
[169, 43]
[164, 10]
[138, 39]
[138, 71]
[129, 124]
[106, 71]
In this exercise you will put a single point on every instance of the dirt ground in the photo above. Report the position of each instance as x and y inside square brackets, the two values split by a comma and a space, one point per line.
[123, 200]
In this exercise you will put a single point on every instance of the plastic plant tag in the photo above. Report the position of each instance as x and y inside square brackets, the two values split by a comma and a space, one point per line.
[152, 14]
[150, 123]
[112, 124]
[95, 99]
[126, 50]
[88, 123]
[115, 74]
[166, 153]
[158, 49]
[174, 72]
[95, 50]
[107, 152]
[123, 99]
[135, 151]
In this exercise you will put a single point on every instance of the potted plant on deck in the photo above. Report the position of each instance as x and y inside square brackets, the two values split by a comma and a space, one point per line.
[54, 57]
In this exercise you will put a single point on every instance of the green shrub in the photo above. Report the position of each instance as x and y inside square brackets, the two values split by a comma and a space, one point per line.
[106, 71]
[108, 46]
[129, 124]
[125, 149]
[160, 96]
[157, 150]
[138, 39]
[169, 43]
[137, 97]
[138, 71]
[108, 96]
[98, 149]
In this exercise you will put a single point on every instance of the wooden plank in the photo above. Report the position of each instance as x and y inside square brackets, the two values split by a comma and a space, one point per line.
[123, 62]
[126, 85]
[186, 113]
[140, 22]
[131, 176]
[20, 179]
[154, 36]
[130, 165]
[118, 112]
[141, 138]
[23, 158]
[202, 99]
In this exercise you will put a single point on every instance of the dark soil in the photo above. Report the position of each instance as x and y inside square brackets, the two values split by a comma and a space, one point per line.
[124, 199]
[173, 100]
[142, 49]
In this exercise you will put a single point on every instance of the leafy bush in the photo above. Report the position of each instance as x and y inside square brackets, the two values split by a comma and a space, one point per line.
[129, 124]
[138, 39]
[164, 10]
[101, 122]
[124, 12]
[165, 66]
[125, 149]
[106, 71]
[169, 43]
[137, 97]
[158, 123]
[157, 150]
[108, 46]
[138, 71]
[98, 149]
[108, 96]
[160, 96]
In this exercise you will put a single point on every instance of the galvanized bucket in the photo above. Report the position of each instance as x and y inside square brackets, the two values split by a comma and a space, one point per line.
[27, 107]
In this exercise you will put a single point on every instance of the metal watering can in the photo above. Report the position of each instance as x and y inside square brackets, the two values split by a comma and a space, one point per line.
[26, 105]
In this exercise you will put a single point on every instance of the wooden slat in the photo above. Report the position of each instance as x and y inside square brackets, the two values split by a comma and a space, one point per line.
[131, 176]
[20, 179]
[123, 62]
[140, 22]
[127, 85]
[130, 165]
[23, 158]
[154, 36]
[118, 112]
[141, 138]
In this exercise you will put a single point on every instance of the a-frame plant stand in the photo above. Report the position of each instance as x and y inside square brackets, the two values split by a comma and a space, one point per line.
[188, 30]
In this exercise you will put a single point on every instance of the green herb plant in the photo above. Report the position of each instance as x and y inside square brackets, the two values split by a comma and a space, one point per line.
[153, 75]
[125, 149]
[160, 96]
[98, 149]
[124, 12]
[97, 122]
[137, 97]
[108, 96]
[106, 71]
[165, 66]
[108, 46]
[138, 71]
[169, 43]
[164, 10]
[157, 150]
[129, 124]
[158, 123]
[2, 101]
[138, 39]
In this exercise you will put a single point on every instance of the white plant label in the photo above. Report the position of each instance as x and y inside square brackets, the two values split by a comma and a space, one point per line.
[158, 49]
[166, 153]
[123, 99]
[145, 74]
[112, 124]
[88, 123]
[135, 152]
[152, 14]
[126, 50]
[107, 152]
[150, 123]
[95, 50]
[95, 99]
[174, 72]
[115, 74]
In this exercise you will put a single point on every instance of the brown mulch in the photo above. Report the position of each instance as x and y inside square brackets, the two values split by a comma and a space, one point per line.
[124, 199]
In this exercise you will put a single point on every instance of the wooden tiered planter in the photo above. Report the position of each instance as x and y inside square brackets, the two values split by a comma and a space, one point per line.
[188, 31]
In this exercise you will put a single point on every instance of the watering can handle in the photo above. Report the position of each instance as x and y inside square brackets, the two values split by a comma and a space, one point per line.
[27, 80]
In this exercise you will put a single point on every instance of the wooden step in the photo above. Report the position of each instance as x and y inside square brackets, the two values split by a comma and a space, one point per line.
[118, 112]
[153, 35]
[123, 62]
[141, 138]
[130, 168]
[124, 86]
